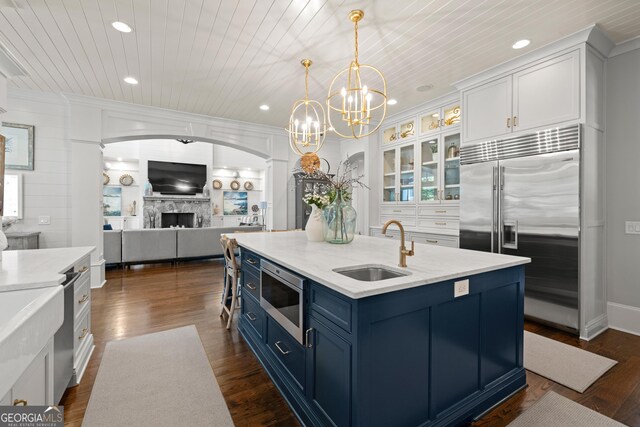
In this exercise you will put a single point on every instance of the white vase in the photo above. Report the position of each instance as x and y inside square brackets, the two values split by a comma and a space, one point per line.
[315, 226]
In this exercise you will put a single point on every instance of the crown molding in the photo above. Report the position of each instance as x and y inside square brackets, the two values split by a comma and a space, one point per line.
[593, 35]
[9, 64]
[626, 46]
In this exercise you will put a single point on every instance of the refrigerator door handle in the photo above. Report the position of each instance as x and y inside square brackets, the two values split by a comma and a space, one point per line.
[494, 208]
[500, 173]
[510, 234]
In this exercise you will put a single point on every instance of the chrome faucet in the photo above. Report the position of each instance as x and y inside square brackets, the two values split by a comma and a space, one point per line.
[403, 250]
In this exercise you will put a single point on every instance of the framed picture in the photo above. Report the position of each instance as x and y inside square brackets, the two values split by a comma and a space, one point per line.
[235, 203]
[18, 145]
[112, 201]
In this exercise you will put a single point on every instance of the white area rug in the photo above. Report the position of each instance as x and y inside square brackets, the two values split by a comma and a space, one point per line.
[554, 410]
[160, 379]
[570, 366]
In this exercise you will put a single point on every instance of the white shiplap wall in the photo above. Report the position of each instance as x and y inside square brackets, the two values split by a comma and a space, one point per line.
[46, 189]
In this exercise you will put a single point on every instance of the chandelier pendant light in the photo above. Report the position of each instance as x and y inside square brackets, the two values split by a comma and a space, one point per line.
[357, 100]
[307, 124]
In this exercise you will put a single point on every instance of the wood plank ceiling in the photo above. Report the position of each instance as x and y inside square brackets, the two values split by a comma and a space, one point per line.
[225, 58]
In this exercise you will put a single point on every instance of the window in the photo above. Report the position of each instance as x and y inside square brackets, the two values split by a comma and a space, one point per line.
[13, 195]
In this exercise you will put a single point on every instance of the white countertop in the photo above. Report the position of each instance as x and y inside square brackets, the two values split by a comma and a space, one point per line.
[431, 264]
[37, 268]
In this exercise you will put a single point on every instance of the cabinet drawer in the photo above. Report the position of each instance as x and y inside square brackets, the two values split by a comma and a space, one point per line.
[444, 223]
[81, 297]
[331, 306]
[398, 210]
[251, 282]
[253, 315]
[80, 333]
[83, 266]
[391, 234]
[448, 211]
[409, 221]
[434, 239]
[31, 387]
[250, 259]
[287, 351]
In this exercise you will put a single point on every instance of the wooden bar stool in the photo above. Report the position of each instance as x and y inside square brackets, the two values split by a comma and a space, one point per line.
[231, 277]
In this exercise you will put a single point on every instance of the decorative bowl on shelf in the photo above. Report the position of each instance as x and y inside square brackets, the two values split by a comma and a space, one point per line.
[248, 185]
[105, 178]
[217, 184]
[235, 185]
[126, 180]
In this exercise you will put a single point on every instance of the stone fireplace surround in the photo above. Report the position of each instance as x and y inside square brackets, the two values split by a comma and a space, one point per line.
[155, 206]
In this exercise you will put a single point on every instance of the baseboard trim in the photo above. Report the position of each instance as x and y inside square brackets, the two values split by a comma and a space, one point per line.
[104, 282]
[624, 318]
[595, 327]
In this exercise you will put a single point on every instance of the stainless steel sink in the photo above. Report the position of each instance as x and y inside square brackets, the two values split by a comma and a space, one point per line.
[367, 273]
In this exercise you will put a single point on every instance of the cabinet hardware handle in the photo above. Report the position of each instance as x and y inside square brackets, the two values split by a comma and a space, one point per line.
[441, 211]
[306, 337]
[83, 269]
[84, 298]
[515, 121]
[251, 261]
[253, 319]
[390, 236]
[20, 402]
[284, 352]
[509, 122]
[441, 223]
[251, 286]
[432, 241]
[84, 333]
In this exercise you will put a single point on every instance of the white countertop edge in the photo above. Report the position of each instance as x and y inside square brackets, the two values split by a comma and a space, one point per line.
[56, 278]
[390, 285]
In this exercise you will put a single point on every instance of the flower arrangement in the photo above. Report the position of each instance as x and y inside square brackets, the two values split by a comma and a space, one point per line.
[339, 215]
[317, 200]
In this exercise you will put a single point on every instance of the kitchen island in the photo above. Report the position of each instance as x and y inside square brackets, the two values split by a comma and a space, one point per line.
[437, 343]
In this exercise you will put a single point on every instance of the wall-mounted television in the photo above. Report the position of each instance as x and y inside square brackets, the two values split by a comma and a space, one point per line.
[176, 178]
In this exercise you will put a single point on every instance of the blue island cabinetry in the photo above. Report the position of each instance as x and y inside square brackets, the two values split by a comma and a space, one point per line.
[414, 357]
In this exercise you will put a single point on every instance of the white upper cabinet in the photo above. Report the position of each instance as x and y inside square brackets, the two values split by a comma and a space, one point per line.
[543, 94]
[547, 93]
[487, 110]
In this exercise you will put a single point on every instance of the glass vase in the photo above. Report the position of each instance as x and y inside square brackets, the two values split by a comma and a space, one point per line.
[340, 220]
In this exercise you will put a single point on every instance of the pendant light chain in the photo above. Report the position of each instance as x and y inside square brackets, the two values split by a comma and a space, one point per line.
[356, 38]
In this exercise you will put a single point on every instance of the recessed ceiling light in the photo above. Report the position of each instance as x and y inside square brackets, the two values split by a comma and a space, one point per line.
[119, 159]
[424, 88]
[131, 80]
[435, 115]
[521, 43]
[121, 26]
[392, 101]
[264, 107]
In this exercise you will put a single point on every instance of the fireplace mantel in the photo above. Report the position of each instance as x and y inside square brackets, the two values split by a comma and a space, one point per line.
[178, 199]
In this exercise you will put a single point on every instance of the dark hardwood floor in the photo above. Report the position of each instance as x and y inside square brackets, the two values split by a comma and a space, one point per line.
[153, 298]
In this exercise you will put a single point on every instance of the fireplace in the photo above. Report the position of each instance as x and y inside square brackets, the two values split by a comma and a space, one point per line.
[177, 219]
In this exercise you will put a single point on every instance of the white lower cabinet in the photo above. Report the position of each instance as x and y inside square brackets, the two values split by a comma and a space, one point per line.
[435, 239]
[35, 385]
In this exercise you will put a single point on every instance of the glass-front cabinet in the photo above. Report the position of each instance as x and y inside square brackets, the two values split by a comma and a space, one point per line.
[398, 174]
[389, 175]
[440, 168]
[407, 173]
[441, 119]
[399, 132]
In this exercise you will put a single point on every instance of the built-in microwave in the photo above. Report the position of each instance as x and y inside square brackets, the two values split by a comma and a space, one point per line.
[282, 297]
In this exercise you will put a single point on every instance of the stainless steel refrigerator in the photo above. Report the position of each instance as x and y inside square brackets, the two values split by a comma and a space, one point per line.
[521, 196]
